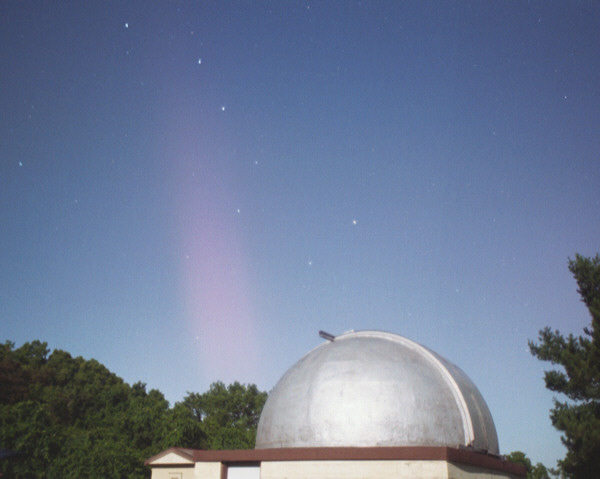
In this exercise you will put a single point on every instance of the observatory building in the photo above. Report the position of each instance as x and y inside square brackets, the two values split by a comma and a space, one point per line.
[366, 404]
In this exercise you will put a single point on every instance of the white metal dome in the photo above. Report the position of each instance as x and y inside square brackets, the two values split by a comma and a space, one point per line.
[372, 388]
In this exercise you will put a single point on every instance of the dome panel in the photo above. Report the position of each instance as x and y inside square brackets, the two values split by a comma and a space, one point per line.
[373, 388]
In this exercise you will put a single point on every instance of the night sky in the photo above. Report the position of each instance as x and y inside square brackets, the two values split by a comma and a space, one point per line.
[189, 191]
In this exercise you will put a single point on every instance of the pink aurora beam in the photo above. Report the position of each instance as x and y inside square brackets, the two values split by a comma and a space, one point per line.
[218, 307]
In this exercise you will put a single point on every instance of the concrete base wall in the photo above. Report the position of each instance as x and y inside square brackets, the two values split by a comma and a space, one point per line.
[385, 469]
[456, 471]
[173, 472]
[207, 470]
[354, 470]
[426, 462]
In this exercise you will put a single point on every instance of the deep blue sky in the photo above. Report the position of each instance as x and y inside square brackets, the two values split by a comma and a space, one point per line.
[189, 191]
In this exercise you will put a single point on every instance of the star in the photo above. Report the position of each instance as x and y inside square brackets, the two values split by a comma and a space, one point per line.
[353, 222]
[126, 25]
[223, 108]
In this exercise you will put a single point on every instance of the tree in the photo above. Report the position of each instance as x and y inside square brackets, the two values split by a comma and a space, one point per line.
[183, 430]
[72, 417]
[228, 415]
[538, 471]
[579, 380]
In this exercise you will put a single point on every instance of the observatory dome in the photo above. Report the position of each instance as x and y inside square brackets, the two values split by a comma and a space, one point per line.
[371, 388]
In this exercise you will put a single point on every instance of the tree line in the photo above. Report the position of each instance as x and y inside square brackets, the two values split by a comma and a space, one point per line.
[72, 417]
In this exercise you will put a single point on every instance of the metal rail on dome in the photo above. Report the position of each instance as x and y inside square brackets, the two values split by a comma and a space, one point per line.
[327, 336]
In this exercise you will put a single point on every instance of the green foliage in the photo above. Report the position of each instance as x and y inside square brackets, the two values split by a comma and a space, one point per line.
[579, 380]
[538, 471]
[71, 417]
[228, 414]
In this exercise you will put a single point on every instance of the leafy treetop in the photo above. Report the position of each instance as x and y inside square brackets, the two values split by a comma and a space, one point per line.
[538, 471]
[73, 417]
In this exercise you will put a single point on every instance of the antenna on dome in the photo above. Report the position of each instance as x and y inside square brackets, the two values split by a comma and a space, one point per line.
[327, 336]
